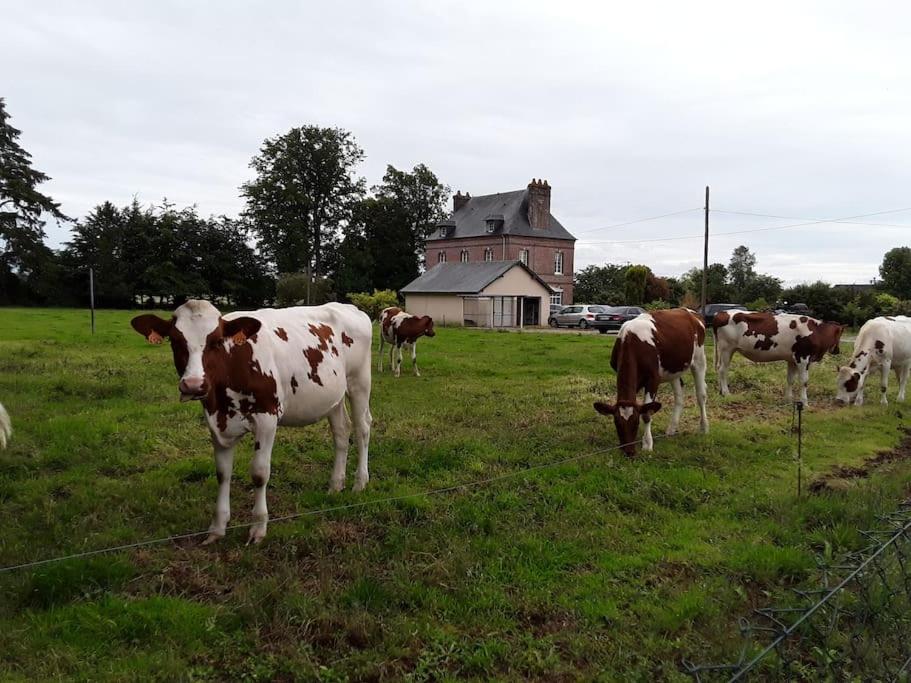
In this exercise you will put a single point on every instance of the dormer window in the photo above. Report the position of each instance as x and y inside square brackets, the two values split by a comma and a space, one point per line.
[494, 221]
[443, 231]
[491, 226]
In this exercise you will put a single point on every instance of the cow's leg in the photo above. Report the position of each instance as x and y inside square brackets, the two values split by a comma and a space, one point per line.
[698, 369]
[792, 375]
[414, 358]
[224, 464]
[359, 394]
[904, 372]
[884, 381]
[678, 406]
[803, 377]
[260, 467]
[648, 443]
[380, 368]
[341, 430]
[398, 359]
[723, 363]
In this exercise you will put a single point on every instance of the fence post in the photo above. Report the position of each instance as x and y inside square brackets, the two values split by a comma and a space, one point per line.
[92, 296]
[799, 406]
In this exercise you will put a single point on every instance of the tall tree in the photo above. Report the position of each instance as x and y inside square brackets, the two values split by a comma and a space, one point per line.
[23, 207]
[304, 192]
[600, 284]
[636, 278]
[420, 196]
[741, 269]
[717, 288]
[896, 272]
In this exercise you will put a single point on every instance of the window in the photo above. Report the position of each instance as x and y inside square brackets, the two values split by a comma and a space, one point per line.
[442, 232]
[491, 226]
[558, 263]
[556, 299]
[441, 257]
[488, 254]
[523, 257]
[463, 256]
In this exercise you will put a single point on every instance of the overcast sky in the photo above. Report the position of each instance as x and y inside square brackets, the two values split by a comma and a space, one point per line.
[628, 109]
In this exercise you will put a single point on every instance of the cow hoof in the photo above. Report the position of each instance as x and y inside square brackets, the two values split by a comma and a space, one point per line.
[257, 534]
[336, 487]
[212, 537]
[704, 428]
[360, 484]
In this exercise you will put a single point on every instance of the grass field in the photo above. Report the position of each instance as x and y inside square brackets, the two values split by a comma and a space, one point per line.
[606, 568]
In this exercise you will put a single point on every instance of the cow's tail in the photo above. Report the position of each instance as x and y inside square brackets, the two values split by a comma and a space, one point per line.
[6, 428]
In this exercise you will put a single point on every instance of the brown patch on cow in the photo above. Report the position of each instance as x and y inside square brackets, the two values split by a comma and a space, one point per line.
[413, 328]
[180, 350]
[334, 350]
[879, 345]
[323, 333]
[721, 319]
[889, 317]
[258, 480]
[793, 325]
[294, 384]
[851, 384]
[842, 477]
[803, 318]
[346, 340]
[675, 333]
[281, 334]
[314, 357]
[759, 325]
[823, 338]
[386, 321]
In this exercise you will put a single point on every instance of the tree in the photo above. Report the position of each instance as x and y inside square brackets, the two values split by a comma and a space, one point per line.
[303, 194]
[761, 286]
[656, 288]
[896, 272]
[717, 289]
[421, 198]
[22, 211]
[741, 270]
[635, 279]
[600, 284]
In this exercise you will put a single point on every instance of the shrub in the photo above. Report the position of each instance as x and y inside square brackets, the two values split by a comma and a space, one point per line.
[759, 304]
[372, 304]
[689, 300]
[657, 305]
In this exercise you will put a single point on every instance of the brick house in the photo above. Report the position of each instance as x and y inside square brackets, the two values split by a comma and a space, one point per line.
[508, 226]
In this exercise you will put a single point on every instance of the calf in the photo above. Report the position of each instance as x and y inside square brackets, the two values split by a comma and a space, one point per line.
[6, 429]
[398, 328]
[764, 338]
[253, 371]
[883, 342]
[653, 348]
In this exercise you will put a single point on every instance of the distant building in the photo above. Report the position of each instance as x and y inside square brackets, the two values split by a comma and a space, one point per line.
[856, 288]
[508, 226]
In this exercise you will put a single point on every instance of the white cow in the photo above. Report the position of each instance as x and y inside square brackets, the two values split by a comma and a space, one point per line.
[883, 343]
[256, 370]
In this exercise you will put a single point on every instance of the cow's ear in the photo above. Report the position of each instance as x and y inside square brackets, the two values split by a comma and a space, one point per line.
[650, 409]
[605, 408]
[241, 329]
[151, 327]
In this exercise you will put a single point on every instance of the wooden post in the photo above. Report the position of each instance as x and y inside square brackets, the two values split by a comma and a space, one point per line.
[705, 253]
[92, 296]
[309, 278]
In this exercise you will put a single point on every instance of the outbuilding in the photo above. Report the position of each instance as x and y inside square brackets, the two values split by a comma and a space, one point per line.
[486, 294]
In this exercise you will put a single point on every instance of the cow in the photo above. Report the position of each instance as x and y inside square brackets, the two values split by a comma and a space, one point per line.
[253, 371]
[398, 328]
[799, 340]
[651, 349]
[883, 343]
[6, 428]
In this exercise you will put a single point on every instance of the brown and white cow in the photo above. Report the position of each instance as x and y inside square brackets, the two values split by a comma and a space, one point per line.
[765, 338]
[883, 343]
[651, 349]
[6, 428]
[398, 328]
[256, 370]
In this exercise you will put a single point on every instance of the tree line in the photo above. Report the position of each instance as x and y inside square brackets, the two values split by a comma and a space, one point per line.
[319, 234]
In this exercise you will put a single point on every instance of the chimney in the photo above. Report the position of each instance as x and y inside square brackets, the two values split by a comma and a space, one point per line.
[539, 204]
[459, 200]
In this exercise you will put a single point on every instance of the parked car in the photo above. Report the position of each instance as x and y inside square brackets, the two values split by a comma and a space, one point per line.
[708, 313]
[577, 315]
[555, 308]
[614, 316]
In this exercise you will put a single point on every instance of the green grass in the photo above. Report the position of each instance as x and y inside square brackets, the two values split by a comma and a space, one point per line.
[604, 568]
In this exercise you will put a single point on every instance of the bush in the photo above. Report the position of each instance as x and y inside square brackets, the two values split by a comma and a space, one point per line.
[373, 304]
[657, 305]
[759, 304]
[689, 300]
[291, 289]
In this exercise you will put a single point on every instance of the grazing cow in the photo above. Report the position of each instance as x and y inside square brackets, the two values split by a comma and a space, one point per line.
[256, 370]
[6, 429]
[765, 337]
[653, 348]
[398, 328]
[883, 342]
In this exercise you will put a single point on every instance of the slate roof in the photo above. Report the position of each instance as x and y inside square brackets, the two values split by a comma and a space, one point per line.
[511, 207]
[464, 278]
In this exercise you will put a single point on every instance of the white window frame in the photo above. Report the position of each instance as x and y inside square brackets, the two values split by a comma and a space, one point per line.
[491, 226]
[523, 256]
[442, 232]
[488, 254]
[441, 257]
[556, 298]
[558, 263]
[463, 256]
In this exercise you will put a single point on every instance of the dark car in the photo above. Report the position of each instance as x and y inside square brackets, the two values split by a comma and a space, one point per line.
[612, 317]
[708, 313]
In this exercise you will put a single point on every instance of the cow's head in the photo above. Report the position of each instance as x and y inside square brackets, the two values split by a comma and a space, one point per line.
[626, 419]
[848, 384]
[198, 334]
[831, 334]
[428, 326]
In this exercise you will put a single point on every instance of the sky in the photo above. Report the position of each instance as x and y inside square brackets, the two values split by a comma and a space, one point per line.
[629, 110]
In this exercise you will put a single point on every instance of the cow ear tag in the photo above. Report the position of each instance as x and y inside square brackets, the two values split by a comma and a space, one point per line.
[239, 338]
[154, 337]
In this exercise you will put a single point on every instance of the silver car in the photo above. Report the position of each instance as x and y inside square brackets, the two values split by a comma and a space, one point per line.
[577, 315]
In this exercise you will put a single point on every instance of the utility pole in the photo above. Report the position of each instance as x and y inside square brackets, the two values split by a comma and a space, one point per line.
[705, 254]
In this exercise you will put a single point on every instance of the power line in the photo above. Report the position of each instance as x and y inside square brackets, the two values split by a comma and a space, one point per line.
[640, 220]
[803, 218]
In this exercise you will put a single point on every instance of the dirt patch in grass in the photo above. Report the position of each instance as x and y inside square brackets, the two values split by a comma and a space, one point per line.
[842, 477]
